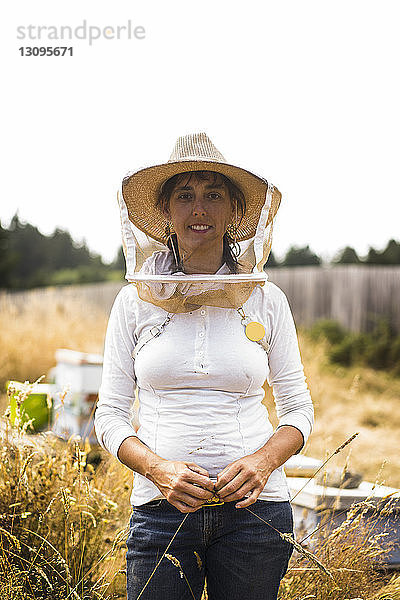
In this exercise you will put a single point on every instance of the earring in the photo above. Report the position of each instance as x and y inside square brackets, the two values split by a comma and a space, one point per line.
[169, 232]
[232, 231]
[169, 229]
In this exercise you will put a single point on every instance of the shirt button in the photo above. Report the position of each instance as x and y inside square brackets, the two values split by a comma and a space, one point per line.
[203, 312]
[201, 334]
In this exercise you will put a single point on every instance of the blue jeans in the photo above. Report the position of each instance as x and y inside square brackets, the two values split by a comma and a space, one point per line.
[240, 556]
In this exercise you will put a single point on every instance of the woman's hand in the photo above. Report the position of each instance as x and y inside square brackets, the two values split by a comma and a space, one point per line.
[246, 475]
[249, 474]
[184, 484]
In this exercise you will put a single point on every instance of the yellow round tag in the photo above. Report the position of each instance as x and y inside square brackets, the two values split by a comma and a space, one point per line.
[255, 331]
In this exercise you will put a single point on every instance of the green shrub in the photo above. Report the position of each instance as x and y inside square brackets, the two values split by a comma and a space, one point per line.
[379, 344]
[379, 349]
[350, 350]
[394, 355]
[329, 330]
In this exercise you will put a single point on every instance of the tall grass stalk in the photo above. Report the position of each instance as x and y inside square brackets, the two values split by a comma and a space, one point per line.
[58, 515]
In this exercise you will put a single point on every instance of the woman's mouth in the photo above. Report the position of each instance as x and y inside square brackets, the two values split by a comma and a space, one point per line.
[200, 227]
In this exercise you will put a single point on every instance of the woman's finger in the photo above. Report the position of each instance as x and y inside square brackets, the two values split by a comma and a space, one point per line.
[199, 478]
[188, 499]
[249, 500]
[227, 475]
[233, 486]
[197, 469]
[195, 490]
[244, 489]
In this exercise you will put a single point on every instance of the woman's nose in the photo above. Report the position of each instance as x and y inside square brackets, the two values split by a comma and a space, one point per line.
[198, 208]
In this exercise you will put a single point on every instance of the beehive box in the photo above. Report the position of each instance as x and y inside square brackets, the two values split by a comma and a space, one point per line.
[315, 503]
[79, 374]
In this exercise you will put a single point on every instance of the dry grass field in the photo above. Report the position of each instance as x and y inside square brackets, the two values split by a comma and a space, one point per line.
[349, 400]
[63, 523]
[30, 335]
[346, 400]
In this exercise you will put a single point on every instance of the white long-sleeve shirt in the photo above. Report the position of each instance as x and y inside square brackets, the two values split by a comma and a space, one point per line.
[200, 384]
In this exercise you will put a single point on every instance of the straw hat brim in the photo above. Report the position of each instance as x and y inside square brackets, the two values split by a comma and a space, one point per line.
[141, 189]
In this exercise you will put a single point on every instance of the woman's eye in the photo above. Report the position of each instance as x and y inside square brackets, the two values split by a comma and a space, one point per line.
[185, 196]
[214, 195]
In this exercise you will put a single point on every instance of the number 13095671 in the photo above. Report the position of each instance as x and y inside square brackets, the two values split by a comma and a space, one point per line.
[46, 51]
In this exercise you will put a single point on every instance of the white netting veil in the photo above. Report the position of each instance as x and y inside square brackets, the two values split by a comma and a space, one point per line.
[151, 263]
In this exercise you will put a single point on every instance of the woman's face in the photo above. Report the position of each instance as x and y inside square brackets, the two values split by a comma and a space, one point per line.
[200, 211]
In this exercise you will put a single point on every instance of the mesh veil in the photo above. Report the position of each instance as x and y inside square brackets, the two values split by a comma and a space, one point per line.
[149, 266]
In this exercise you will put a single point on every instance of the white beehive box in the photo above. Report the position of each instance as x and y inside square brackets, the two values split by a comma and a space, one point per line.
[79, 375]
[299, 465]
[315, 502]
[78, 370]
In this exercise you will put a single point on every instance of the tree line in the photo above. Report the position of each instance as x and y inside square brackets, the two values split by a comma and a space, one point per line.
[297, 256]
[30, 259]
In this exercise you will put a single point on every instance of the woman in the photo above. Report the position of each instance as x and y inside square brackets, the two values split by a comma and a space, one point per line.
[197, 335]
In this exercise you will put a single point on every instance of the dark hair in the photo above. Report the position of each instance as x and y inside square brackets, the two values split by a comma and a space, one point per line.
[230, 250]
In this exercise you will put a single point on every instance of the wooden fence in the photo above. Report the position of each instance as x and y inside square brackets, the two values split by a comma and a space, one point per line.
[353, 295]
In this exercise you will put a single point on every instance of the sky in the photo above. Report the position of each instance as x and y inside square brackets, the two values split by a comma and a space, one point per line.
[304, 93]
